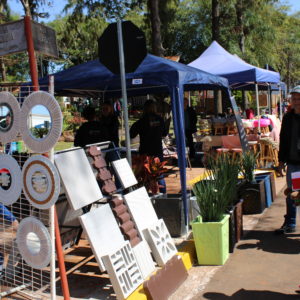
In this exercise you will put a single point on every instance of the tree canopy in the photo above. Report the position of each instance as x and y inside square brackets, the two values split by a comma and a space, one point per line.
[262, 32]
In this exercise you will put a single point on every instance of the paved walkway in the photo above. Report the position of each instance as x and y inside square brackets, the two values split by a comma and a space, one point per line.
[263, 266]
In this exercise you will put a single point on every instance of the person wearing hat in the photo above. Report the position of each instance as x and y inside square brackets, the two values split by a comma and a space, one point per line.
[289, 154]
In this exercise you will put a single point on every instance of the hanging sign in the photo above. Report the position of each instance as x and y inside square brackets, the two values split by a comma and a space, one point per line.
[44, 39]
[13, 39]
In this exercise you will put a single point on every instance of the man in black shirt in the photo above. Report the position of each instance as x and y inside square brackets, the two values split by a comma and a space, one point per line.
[190, 126]
[289, 153]
[151, 129]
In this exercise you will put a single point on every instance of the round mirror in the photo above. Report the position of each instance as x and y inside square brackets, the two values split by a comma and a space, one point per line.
[6, 117]
[33, 243]
[5, 178]
[39, 182]
[39, 122]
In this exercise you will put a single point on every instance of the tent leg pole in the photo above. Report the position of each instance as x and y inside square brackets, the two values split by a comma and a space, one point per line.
[257, 105]
[280, 103]
[124, 93]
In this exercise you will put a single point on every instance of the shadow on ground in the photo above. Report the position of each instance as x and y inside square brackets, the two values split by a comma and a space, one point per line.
[270, 242]
[250, 295]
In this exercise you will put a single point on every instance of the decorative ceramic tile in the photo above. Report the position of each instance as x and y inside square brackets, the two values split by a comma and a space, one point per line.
[34, 242]
[108, 187]
[104, 174]
[123, 271]
[160, 242]
[127, 227]
[78, 179]
[99, 162]
[144, 259]
[124, 173]
[93, 150]
[141, 209]
[167, 280]
[103, 232]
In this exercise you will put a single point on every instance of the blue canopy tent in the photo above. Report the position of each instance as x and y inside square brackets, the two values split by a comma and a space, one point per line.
[154, 75]
[216, 60]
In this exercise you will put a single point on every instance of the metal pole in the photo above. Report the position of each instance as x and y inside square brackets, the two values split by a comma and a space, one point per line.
[52, 220]
[30, 49]
[55, 238]
[269, 100]
[280, 104]
[257, 106]
[124, 93]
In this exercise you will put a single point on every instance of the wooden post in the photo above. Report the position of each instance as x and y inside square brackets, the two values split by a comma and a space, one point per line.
[31, 55]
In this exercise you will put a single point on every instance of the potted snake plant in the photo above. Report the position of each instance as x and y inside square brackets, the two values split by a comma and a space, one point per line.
[228, 168]
[251, 189]
[211, 227]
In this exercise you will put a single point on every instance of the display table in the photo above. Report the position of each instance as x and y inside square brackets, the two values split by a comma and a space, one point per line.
[226, 141]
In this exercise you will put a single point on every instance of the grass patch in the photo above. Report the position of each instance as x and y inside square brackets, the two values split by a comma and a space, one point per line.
[63, 145]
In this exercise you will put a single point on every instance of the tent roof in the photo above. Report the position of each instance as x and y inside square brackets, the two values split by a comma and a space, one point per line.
[216, 60]
[154, 75]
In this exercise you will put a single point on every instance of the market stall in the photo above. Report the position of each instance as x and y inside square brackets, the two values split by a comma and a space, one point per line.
[154, 75]
[216, 60]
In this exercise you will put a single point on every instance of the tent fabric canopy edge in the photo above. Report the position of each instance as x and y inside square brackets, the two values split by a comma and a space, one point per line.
[216, 60]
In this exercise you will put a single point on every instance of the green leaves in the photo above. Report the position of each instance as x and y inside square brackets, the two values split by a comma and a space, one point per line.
[219, 190]
[248, 166]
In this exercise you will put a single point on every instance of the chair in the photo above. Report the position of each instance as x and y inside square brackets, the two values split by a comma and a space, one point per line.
[233, 143]
[231, 128]
[268, 152]
[170, 152]
[218, 128]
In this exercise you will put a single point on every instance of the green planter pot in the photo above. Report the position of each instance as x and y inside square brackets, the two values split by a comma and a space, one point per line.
[211, 241]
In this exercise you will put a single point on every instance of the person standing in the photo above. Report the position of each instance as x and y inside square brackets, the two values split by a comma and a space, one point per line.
[109, 124]
[289, 153]
[90, 131]
[151, 130]
[190, 126]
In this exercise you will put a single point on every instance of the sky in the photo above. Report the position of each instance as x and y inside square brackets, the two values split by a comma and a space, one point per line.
[58, 5]
[55, 10]
[295, 5]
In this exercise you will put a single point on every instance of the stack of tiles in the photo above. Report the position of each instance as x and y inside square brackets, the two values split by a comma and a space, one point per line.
[126, 224]
[103, 174]
[167, 280]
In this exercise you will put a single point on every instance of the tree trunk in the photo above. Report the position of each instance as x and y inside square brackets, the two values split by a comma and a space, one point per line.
[3, 69]
[157, 48]
[215, 20]
[26, 6]
[240, 24]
